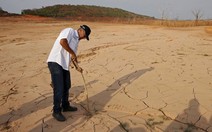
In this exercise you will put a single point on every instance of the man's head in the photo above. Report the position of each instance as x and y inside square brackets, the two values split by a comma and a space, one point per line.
[84, 32]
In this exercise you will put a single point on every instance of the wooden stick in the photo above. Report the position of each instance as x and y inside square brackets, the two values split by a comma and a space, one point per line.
[86, 91]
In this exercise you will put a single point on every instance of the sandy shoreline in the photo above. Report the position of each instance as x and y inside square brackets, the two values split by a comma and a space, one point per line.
[139, 78]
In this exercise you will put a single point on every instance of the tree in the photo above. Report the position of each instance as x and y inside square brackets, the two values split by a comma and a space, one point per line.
[198, 15]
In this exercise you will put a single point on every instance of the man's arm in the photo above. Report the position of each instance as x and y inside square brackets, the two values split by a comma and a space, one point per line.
[64, 44]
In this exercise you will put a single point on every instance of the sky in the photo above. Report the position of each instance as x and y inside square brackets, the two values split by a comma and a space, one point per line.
[169, 9]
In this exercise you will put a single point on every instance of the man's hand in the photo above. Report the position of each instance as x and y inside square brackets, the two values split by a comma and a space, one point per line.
[79, 69]
[74, 57]
[77, 66]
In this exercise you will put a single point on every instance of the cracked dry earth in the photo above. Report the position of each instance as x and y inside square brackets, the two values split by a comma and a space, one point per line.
[139, 79]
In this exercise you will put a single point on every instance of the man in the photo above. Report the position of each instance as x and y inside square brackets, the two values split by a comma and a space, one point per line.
[63, 52]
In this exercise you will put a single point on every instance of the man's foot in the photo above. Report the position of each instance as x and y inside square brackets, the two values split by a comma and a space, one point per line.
[69, 108]
[58, 116]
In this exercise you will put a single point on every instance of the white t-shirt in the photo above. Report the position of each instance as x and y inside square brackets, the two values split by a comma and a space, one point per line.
[58, 54]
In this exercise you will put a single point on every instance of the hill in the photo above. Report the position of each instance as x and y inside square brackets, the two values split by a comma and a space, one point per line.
[83, 12]
[5, 13]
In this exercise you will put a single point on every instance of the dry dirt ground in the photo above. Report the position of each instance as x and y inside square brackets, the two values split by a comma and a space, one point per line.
[139, 78]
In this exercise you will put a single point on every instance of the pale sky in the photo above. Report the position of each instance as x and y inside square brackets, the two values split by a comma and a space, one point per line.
[172, 9]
